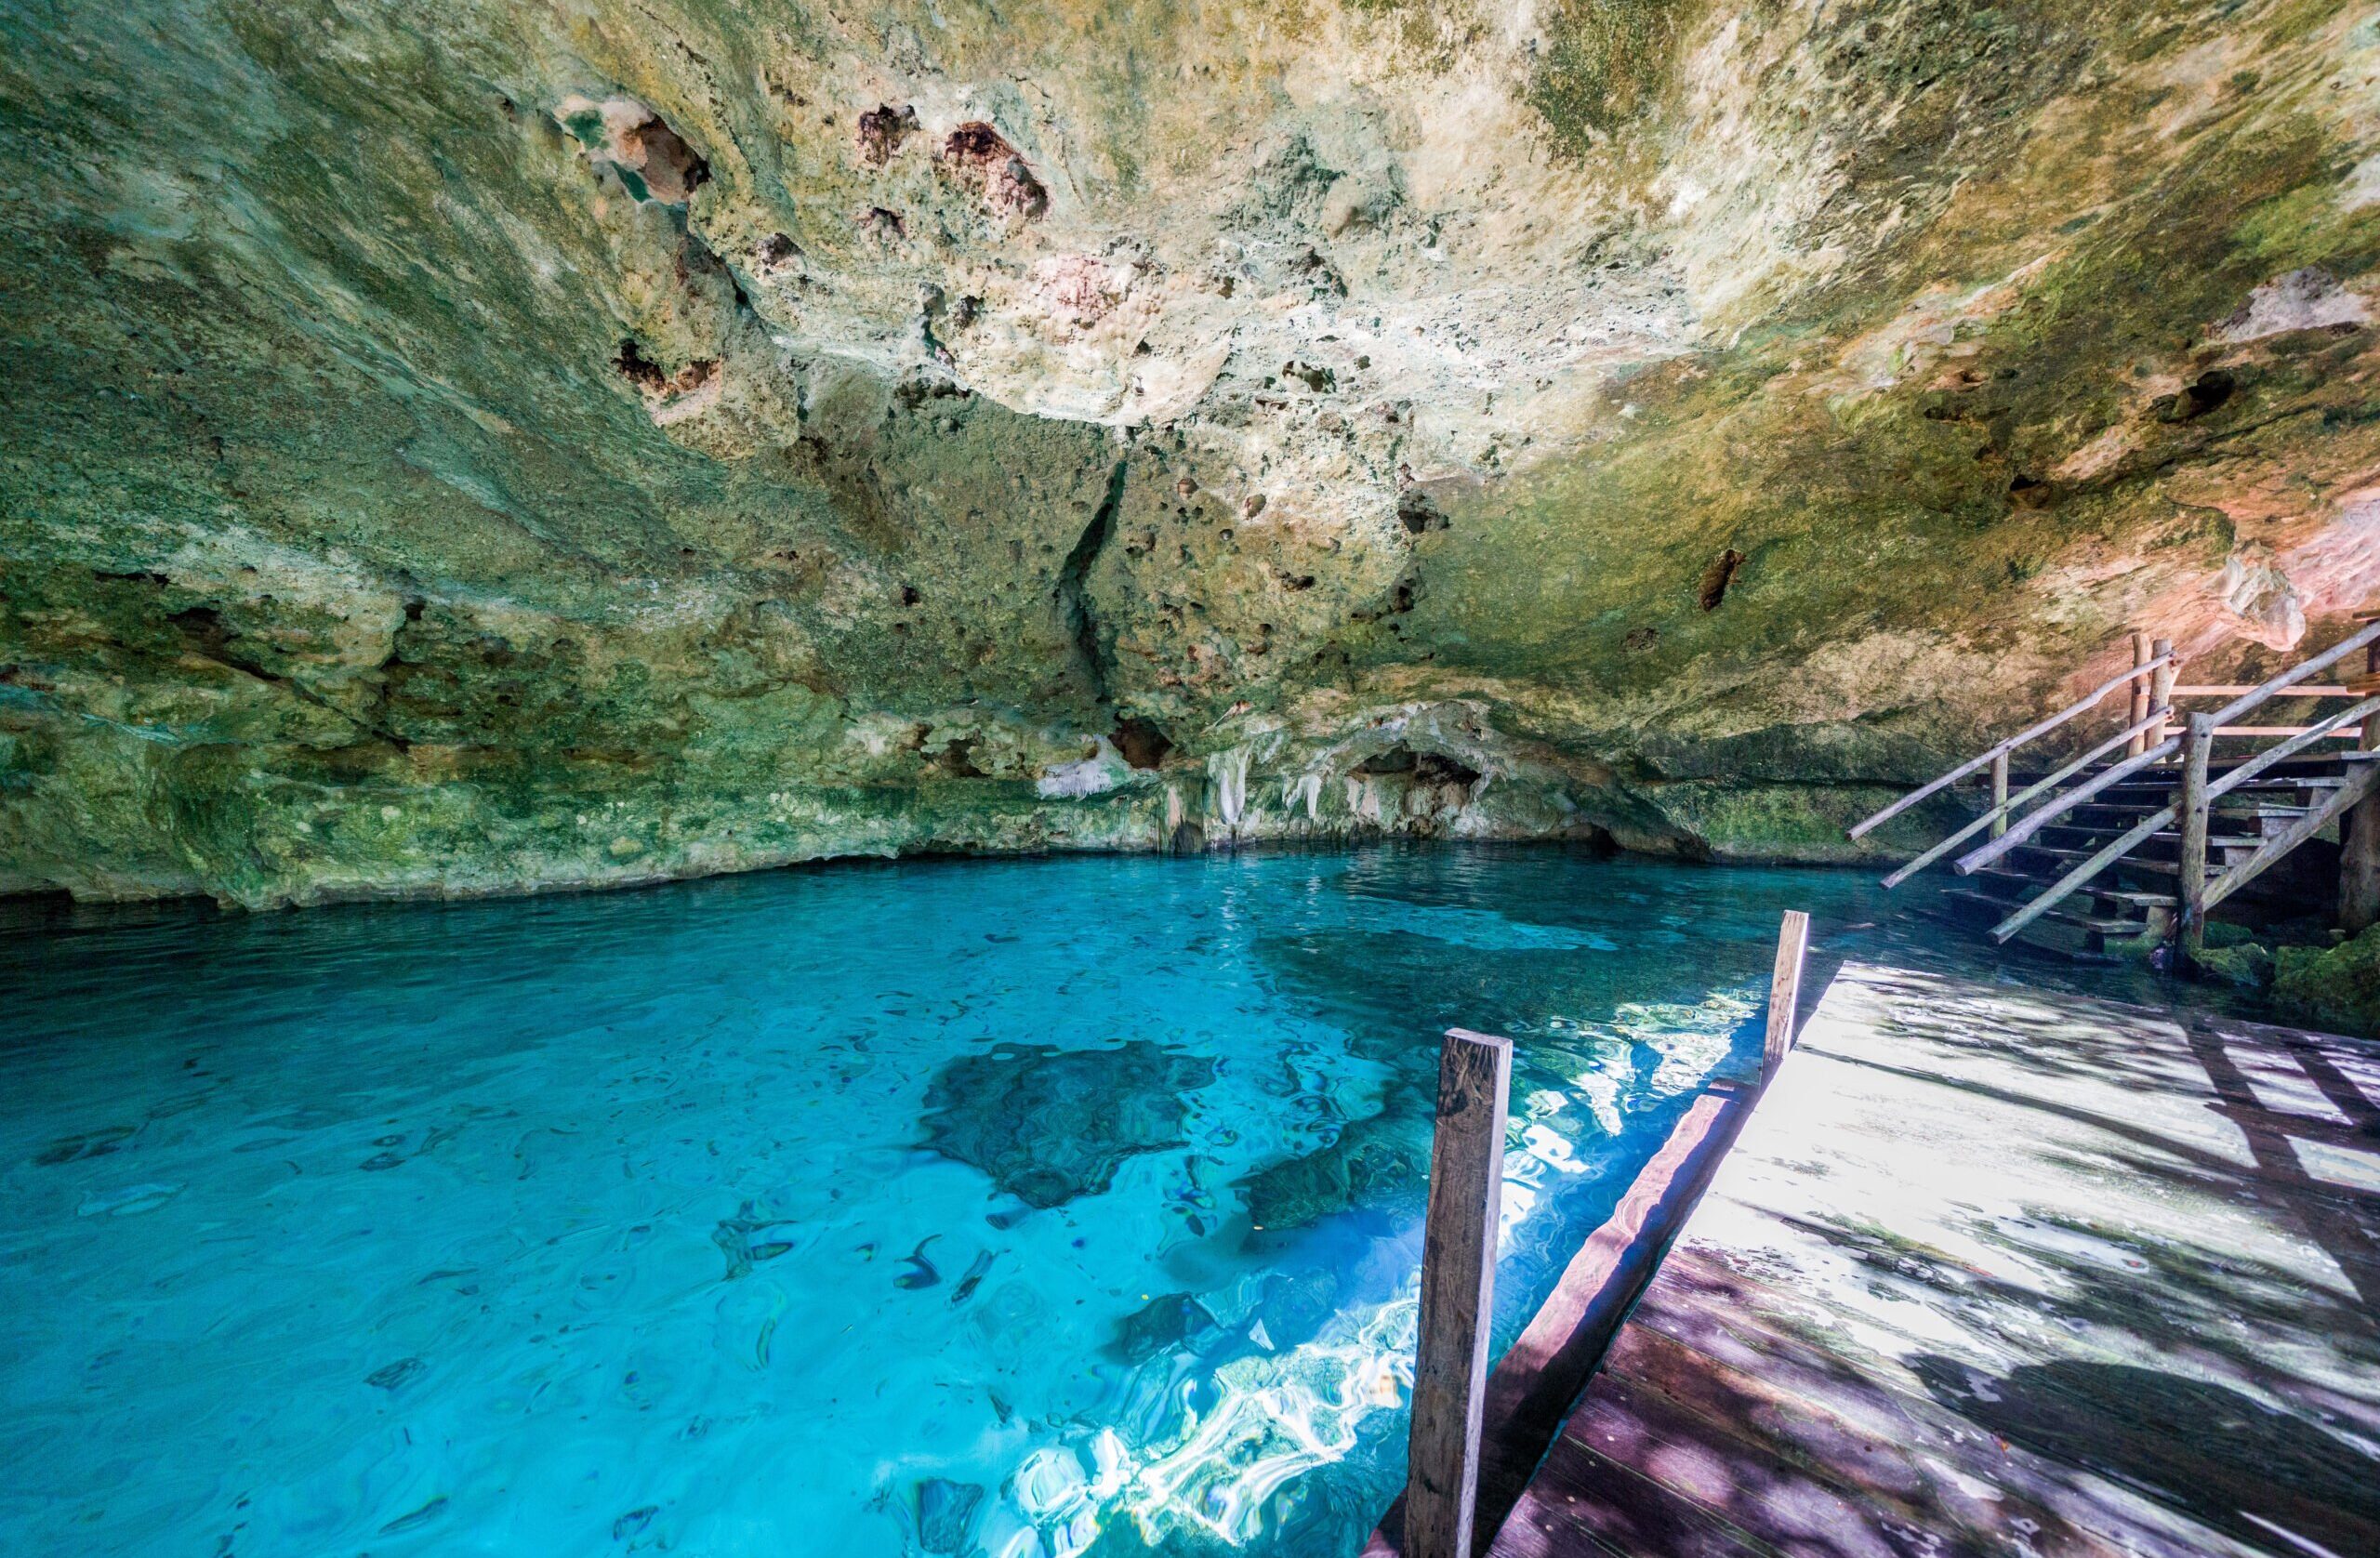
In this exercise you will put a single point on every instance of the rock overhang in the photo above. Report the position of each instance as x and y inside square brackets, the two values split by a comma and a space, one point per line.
[693, 405]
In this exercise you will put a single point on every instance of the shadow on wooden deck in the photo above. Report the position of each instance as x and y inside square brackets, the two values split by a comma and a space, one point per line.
[1993, 1271]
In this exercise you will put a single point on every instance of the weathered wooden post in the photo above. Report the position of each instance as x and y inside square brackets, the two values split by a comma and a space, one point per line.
[1998, 793]
[2360, 856]
[2190, 809]
[2161, 690]
[2139, 705]
[1784, 991]
[1458, 1290]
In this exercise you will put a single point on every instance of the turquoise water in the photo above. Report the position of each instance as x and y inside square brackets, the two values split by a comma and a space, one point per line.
[1040, 1207]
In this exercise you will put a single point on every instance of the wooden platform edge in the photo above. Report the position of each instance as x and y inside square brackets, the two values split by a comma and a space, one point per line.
[1537, 1382]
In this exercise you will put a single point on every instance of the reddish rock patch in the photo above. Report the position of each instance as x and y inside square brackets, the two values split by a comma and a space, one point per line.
[882, 130]
[980, 159]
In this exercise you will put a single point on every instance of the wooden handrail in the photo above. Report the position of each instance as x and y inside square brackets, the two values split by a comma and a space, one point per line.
[2289, 748]
[2233, 689]
[2014, 742]
[2324, 661]
[1969, 864]
[2352, 734]
[2216, 892]
[2008, 808]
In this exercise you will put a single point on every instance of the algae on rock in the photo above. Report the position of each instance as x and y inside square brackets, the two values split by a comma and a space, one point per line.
[478, 449]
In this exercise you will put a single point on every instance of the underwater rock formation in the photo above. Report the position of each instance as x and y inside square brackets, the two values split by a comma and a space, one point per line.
[1051, 1125]
[475, 449]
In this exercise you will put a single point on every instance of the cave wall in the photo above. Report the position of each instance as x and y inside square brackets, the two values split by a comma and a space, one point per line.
[489, 446]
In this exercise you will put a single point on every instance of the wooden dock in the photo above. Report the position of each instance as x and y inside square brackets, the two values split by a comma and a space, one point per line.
[1994, 1271]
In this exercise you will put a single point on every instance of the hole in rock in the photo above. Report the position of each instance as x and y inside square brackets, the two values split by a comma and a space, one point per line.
[1419, 514]
[910, 595]
[1436, 767]
[672, 169]
[1397, 759]
[958, 760]
[882, 130]
[2202, 394]
[650, 378]
[2029, 492]
[1716, 579]
[204, 627]
[1141, 743]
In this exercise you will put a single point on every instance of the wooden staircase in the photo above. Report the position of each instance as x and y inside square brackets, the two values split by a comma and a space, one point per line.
[2107, 854]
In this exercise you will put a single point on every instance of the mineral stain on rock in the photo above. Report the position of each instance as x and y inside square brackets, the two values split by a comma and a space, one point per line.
[1050, 1126]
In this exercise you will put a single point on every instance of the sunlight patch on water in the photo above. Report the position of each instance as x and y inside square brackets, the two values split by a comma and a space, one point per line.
[1282, 1415]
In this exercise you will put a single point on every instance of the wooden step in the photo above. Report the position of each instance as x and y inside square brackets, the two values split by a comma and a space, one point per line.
[2105, 924]
[2073, 933]
[2130, 862]
[2090, 840]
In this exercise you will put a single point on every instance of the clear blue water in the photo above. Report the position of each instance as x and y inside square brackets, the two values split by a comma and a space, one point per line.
[1041, 1206]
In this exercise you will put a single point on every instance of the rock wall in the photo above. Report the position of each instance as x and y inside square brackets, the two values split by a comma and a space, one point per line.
[488, 447]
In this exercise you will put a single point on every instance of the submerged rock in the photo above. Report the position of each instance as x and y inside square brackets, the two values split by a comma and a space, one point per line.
[946, 1514]
[1051, 1125]
[2337, 989]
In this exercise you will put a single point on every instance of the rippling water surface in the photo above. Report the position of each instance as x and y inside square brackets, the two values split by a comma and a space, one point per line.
[1041, 1206]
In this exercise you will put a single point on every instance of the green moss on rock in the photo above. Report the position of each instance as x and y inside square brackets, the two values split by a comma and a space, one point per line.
[2337, 989]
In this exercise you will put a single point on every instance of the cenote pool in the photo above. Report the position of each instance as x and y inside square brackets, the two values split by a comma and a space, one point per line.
[1036, 1206]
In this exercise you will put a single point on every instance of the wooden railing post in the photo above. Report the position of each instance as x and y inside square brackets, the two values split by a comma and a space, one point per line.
[2139, 706]
[2190, 811]
[2360, 835]
[2161, 688]
[1784, 992]
[1458, 1293]
[1998, 793]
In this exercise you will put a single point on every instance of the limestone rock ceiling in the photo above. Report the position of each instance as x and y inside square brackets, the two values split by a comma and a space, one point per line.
[484, 446]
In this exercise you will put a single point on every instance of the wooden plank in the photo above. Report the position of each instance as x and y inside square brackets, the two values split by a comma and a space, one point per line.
[1458, 1294]
[1585, 1503]
[1718, 1343]
[2345, 732]
[1784, 991]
